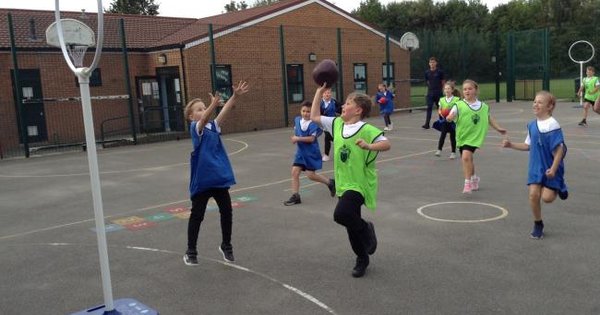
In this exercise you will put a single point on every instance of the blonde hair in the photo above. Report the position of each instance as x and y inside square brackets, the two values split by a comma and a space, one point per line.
[190, 105]
[452, 85]
[551, 98]
[363, 101]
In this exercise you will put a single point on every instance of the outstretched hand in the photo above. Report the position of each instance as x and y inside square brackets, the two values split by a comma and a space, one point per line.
[241, 88]
[214, 99]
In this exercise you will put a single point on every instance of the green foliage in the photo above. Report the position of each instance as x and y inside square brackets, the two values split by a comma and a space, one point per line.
[260, 3]
[141, 7]
[234, 6]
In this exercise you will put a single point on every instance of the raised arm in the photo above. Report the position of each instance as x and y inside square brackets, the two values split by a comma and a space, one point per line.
[315, 110]
[214, 102]
[240, 89]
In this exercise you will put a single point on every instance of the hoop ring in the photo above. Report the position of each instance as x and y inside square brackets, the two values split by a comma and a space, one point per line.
[585, 42]
[85, 71]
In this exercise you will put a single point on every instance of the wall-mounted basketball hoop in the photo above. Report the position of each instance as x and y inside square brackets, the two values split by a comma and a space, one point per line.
[409, 41]
[581, 62]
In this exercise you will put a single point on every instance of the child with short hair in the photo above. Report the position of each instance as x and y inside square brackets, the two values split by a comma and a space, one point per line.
[473, 119]
[447, 127]
[211, 172]
[547, 150]
[385, 99]
[356, 146]
[308, 154]
[591, 86]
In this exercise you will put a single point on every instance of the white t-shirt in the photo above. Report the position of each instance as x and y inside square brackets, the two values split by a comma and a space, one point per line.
[544, 126]
[349, 129]
[474, 106]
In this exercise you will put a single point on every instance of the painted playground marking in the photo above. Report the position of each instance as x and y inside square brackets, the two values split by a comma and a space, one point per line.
[152, 168]
[49, 228]
[291, 288]
[503, 212]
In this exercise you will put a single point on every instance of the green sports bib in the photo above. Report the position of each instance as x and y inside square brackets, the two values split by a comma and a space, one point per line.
[355, 167]
[471, 125]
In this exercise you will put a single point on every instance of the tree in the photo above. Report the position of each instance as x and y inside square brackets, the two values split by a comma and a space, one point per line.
[141, 7]
[233, 6]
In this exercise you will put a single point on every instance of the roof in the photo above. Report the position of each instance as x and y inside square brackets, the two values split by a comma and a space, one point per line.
[148, 33]
[142, 31]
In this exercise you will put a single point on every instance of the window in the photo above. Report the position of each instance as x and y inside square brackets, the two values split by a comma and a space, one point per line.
[295, 83]
[95, 78]
[388, 74]
[360, 77]
[223, 81]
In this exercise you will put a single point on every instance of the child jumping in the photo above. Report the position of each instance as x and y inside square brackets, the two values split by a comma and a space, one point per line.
[547, 150]
[447, 127]
[472, 122]
[308, 154]
[385, 99]
[356, 146]
[211, 172]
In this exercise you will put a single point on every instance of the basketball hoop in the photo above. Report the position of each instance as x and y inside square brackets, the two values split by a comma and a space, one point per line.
[409, 41]
[76, 37]
[581, 62]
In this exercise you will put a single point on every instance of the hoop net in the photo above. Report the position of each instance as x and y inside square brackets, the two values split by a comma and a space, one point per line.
[77, 52]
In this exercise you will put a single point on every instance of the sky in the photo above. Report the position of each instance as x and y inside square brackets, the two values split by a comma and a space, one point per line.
[175, 8]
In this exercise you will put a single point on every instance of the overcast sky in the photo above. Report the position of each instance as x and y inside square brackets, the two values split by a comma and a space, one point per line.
[178, 8]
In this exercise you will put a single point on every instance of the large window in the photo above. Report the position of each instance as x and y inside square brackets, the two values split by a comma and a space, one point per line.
[387, 73]
[223, 82]
[295, 83]
[360, 77]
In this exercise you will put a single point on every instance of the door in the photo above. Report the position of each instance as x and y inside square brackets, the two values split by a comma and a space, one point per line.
[150, 111]
[33, 105]
[170, 97]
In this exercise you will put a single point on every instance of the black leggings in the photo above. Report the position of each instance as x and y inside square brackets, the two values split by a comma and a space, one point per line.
[347, 213]
[199, 202]
[328, 140]
[387, 120]
[447, 128]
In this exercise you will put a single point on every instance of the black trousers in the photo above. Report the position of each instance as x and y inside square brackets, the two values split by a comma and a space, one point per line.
[199, 202]
[347, 213]
[387, 120]
[432, 99]
[328, 140]
[447, 129]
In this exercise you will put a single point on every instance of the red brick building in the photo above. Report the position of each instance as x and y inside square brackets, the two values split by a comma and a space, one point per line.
[274, 47]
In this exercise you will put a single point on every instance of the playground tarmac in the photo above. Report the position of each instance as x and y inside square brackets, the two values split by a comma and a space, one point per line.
[440, 252]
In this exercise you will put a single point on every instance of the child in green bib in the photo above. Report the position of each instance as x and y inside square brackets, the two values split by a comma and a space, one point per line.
[472, 122]
[590, 90]
[356, 145]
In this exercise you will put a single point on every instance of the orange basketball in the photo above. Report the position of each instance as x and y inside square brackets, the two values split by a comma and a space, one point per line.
[445, 112]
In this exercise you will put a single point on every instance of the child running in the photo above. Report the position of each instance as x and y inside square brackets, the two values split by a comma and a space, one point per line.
[211, 172]
[447, 127]
[591, 87]
[472, 122]
[308, 154]
[356, 146]
[385, 99]
[547, 150]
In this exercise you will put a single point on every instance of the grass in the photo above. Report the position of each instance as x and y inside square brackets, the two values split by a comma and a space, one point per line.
[561, 88]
